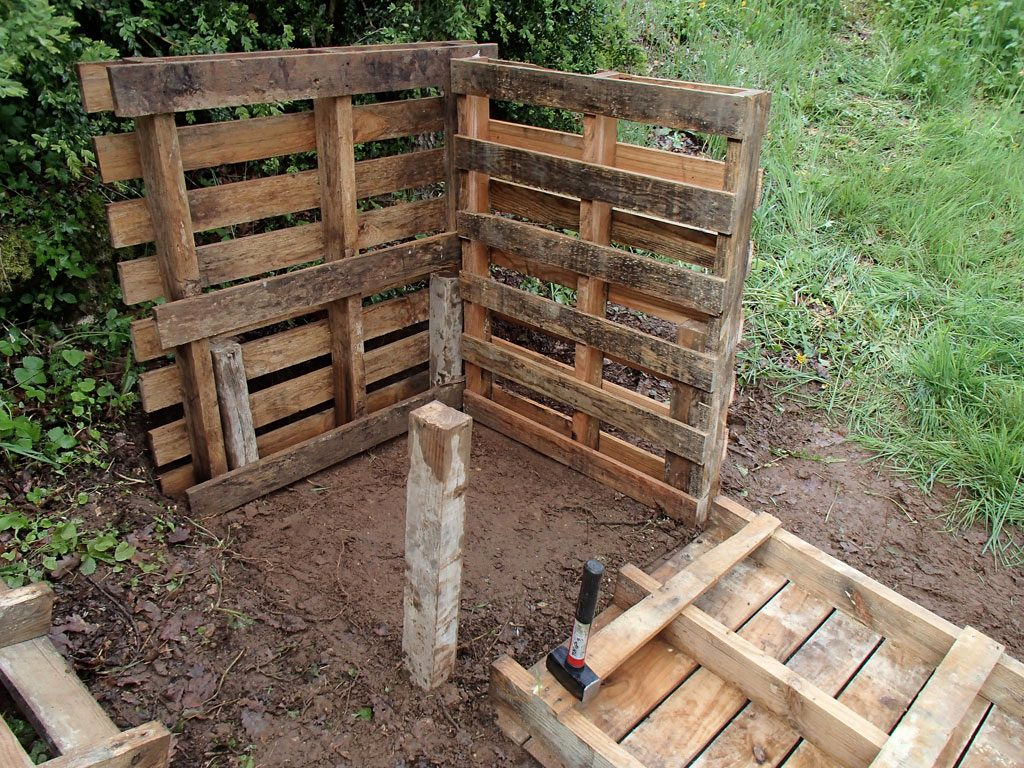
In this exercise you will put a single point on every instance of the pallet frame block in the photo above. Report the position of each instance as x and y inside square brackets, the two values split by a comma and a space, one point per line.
[691, 208]
[972, 705]
[353, 252]
[51, 697]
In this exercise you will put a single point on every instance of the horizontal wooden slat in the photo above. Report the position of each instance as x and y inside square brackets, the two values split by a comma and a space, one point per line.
[145, 342]
[25, 613]
[679, 285]
[673, 105]
[251, 481]
[228, 80]
[92, 81]
[224, 311]
[873, 604]
[603, 468]
[690, 169]
[925, 730]
[145, 746]
[240, 141]
[685, 203]
[241, 202]
[636, 348]
[830, 725]
[629, 416]
[665, 238]
[270, 251]
[160, 388]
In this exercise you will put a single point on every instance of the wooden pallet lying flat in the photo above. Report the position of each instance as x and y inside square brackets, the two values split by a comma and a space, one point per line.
[748, 647]
[55, 702]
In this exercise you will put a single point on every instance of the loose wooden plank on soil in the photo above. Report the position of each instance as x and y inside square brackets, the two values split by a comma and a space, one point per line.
[25, 613]
[145, 746]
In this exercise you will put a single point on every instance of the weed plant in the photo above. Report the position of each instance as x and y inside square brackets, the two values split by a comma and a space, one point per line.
[890, 243]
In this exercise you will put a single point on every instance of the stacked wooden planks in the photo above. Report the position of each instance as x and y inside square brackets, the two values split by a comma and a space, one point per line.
[750, 647]
[655, 232]
[55, 702]
[316, 355]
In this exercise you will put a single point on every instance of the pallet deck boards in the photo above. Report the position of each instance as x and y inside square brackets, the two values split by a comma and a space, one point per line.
[842, 686]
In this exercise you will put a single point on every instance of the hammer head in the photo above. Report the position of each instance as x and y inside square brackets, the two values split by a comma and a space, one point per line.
[580, 682]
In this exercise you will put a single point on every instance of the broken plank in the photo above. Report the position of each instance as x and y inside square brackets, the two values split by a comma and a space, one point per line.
[254, 480]
[25, 613]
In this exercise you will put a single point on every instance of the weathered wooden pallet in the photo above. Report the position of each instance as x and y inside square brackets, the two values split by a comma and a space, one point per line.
[52, 698]
[750, 647]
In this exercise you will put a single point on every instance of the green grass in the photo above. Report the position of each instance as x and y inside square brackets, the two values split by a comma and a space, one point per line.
[890, 261]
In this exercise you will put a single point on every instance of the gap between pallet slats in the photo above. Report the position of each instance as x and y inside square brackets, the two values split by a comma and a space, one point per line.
[696, 206]
[259, 138]
[252, 255]
[240, 202]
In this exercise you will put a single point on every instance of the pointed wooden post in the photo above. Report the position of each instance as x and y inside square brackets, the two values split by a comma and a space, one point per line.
[439, 443]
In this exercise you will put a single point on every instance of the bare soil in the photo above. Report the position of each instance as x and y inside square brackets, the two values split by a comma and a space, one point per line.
[271, 636]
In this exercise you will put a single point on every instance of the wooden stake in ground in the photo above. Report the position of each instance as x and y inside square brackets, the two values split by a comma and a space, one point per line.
[439, 442]
[235, 409]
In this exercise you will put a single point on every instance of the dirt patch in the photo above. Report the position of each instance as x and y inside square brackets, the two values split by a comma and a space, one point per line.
[271, 636]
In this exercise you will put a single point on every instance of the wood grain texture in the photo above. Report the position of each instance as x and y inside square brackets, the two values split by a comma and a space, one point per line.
[445, 329]
[629, 416]
[601, 467]
[336, 164]
[225, 311]
[25, 613]
[131, 222]
[675, 201]
[241, 141]
[179, 268]
[145, 746]
[635, 348]
[675, 106]
[873, 604]
[435, 516]
[285, 467]
[229, 79]
[678, 285]
[12, 755]
[233, 395]
[925, 730]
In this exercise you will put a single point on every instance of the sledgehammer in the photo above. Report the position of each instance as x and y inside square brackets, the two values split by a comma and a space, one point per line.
[568, 665]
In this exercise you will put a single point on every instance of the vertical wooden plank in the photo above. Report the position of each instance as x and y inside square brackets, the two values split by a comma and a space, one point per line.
[474, 196]
[11, 753]
[599, 139]
[336, 163]
[731, 259]
[445, 330]
[235, 410]
[435, 512]
[176, 253]
[682, 406]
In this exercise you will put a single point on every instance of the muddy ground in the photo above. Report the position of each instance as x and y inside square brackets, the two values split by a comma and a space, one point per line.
[271, 636]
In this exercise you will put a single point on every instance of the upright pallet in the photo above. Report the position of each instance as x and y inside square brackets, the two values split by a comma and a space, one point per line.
[749, 647]
[656, 232]
[280, 261]
[55, 702]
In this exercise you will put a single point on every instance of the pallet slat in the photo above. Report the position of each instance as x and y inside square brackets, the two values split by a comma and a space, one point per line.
[146, 746]
[25, 613]
[686, 108]
[227, 310]
[624, 414]
[673, 200]
[678, 285]
[924, 732]
[259, 138]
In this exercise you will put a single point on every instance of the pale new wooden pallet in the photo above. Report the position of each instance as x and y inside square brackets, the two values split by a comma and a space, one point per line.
[55, 702]
[750, 647]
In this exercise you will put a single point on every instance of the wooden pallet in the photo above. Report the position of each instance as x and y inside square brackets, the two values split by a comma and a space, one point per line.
[55, 702]
[750, 647]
